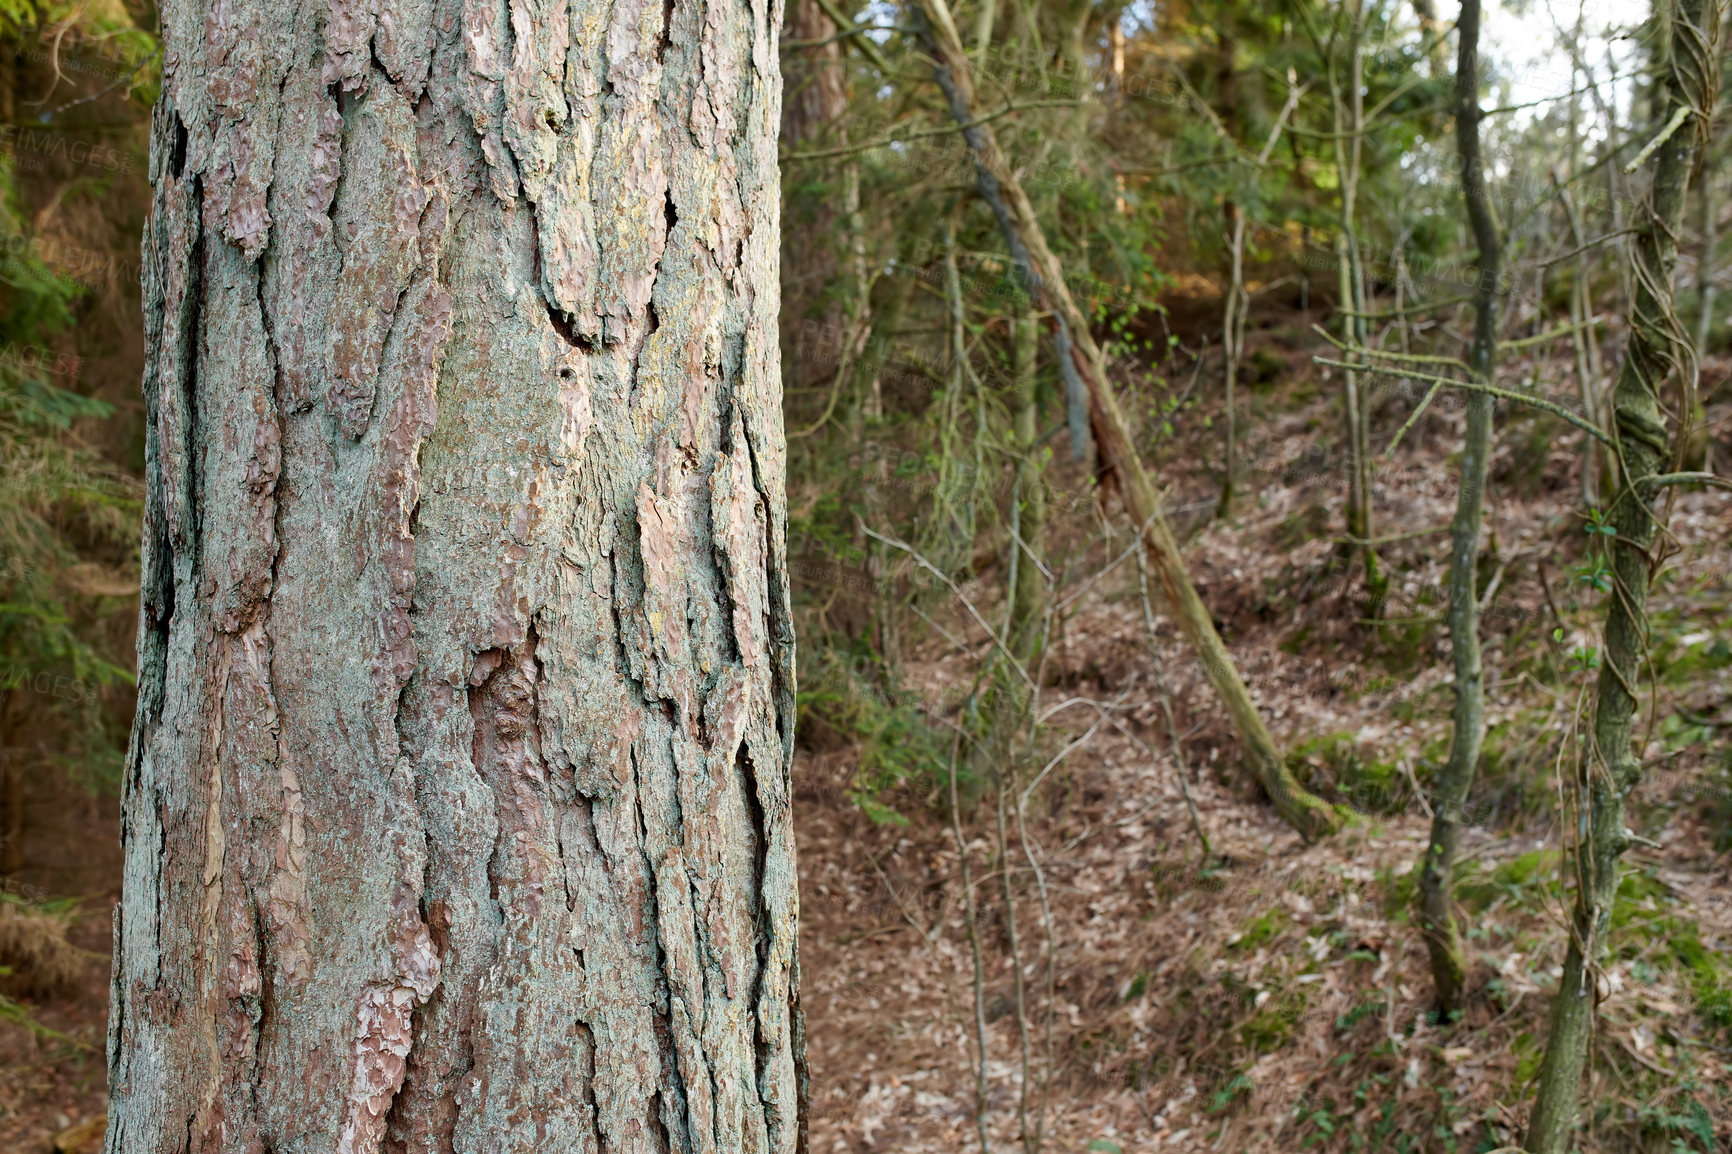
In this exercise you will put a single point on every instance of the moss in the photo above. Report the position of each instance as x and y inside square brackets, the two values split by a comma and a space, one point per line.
[1645, 916]
[1333, 765]
[1263, 928]
[1274, 1025]
[1528, 1055]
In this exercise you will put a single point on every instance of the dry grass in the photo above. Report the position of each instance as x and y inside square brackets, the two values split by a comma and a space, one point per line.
[35, 949]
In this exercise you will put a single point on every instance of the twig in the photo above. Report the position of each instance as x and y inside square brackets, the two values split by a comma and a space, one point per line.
[1541, 338]
[956, 592]
[1678, 117]
[921, 134]
[1476, 387]
[867, 45]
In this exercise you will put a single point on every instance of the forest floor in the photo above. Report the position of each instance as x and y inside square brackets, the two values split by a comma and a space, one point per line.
[1274, 997]
[1277, 997]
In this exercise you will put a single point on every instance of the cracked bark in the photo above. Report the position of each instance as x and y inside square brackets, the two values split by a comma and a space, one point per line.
[457, 807]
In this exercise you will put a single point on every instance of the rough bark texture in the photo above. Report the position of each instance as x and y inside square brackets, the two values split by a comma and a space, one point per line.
[457, 809]
[1658, 350]
[1080, 359]
[1436, 894]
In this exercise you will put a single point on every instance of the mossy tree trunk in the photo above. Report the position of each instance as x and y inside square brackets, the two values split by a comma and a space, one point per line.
[1028, 595]
[1658, 350]
[1347, 102]
[1436, 895]
[456, 815]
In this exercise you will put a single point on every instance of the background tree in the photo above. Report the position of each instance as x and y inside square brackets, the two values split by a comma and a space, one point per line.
[1437, 898]
[1686, 88]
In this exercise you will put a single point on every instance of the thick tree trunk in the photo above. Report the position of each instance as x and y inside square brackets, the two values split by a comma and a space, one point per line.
[457, 809]
[1658, 349]
[1436, 894]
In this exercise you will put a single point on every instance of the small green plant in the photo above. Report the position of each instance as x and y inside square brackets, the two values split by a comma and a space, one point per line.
[1239, 1086]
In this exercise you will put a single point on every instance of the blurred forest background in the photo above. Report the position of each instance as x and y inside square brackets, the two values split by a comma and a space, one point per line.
[1130, 357]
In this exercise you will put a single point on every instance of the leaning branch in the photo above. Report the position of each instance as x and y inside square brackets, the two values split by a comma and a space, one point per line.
[865, 43]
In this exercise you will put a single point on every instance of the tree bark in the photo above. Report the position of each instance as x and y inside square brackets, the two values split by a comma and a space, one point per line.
[1688, 77]
[456, 814]
[1436, 894]
[1079, 356]
[1028, 591]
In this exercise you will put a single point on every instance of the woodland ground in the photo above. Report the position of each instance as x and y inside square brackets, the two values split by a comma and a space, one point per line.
[1277, 1001]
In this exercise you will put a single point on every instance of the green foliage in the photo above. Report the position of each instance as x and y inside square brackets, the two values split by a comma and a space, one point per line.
[1276, 1021]
[1333, 765]
[897, 746]
[1262, 929]
[68, 517]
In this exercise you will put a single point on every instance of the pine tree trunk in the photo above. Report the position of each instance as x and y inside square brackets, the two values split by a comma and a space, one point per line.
[1658, 349]
[457, 810]
[1437, 899]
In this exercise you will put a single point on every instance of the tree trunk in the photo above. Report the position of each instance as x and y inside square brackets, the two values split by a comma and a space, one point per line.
[1079, 356]
[456, 815]
[1658, 348]
[1028, 594]
[1437, 898]
[1432, 33]
[813, 323]
[1349, 131]
[1233, 232]
[12, 857]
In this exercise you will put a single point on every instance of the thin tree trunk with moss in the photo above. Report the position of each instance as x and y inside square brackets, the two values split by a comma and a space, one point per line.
[1658, 349]
[1029, 592]
[1582, 340]
[1023, 235]
[457, 810]
[1436, 894]
[1232, 348]
[1348, 105]
[1695, 449]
